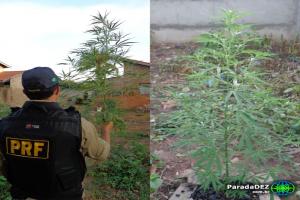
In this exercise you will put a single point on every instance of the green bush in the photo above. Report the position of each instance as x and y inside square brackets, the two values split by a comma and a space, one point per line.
[126, 170]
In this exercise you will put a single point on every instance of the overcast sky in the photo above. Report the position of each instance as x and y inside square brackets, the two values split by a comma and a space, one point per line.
[43, 32]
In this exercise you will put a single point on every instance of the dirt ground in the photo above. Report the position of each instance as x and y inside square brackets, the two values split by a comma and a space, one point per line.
[168, 71]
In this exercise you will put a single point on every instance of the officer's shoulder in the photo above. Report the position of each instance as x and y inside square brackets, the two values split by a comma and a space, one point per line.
[71, 109]
[15, 109]
[86, 124]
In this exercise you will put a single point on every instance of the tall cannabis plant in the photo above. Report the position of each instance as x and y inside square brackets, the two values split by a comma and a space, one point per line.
[230, 118]
[102, 55]
[100, 58]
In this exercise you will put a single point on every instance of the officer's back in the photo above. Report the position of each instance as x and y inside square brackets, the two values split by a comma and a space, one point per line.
[43, 146]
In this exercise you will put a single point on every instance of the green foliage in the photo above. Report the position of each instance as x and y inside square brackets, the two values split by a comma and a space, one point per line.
[4, 110]
[110, 112]
[95, 61]
[296, 126]
[4, 189]
[155, 182]
[155, 179]
[125, 170]
[70, 79]
[155, 160]
[100, 57]
[230, 110]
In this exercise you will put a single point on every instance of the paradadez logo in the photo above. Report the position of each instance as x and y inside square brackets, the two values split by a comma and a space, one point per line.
[283, 188]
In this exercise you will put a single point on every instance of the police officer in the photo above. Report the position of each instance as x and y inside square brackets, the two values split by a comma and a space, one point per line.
[43, 146]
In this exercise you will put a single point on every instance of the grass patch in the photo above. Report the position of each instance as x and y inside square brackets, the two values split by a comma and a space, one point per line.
[4, 189]
[124, 175]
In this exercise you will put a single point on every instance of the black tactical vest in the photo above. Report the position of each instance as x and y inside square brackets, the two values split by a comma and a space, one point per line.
[41, 146]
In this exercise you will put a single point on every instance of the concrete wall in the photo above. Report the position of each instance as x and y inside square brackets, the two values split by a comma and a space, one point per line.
[182, 20]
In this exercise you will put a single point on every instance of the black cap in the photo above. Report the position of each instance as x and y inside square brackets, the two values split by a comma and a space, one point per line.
[39, 79]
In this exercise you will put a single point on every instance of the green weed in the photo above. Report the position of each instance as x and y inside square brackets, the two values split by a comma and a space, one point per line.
[230, 111]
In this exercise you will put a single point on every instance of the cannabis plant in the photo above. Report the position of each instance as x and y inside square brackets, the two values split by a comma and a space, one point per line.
[229, 119]
[102, 55]
[100, 58]
[70, 79]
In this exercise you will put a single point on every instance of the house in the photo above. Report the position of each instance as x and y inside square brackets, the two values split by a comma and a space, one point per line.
[11, 89]
[135, 79]
[11, 79]
[131, 89]
[3, 66]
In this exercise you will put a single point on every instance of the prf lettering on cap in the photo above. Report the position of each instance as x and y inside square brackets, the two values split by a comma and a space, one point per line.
[27, 148]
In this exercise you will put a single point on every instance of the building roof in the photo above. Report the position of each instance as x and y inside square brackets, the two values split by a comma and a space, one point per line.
[142, 63]
[7, 75]
[3, 65]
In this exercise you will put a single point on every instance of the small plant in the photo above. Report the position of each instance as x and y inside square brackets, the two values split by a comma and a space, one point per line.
[155, 182]
[230, 116]
[155, 179]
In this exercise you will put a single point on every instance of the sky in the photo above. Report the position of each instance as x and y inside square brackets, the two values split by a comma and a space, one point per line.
[43, 32]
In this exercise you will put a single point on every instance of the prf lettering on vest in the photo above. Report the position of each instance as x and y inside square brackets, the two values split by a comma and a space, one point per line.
[27, 148]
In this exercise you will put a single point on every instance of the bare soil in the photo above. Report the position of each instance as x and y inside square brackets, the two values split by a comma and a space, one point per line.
[166, 72]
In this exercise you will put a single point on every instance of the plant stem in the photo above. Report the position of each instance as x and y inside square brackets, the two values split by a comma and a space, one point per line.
[226, 144]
